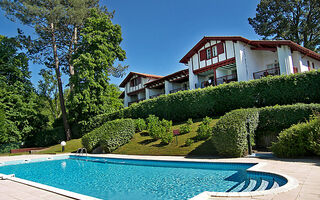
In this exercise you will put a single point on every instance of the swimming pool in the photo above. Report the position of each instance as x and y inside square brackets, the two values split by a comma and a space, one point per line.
[110, 178]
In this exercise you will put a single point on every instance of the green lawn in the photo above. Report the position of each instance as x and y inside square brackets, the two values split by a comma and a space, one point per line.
[71, 146]
[142, 144]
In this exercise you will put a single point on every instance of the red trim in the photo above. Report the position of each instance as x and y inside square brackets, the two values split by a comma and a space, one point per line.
[215, 66]
[256, 43]
[215, 76]
[295, 70]
[309, 68]
[184, 72]
[129, 76]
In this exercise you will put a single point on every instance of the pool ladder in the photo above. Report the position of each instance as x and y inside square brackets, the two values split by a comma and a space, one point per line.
[81, 152]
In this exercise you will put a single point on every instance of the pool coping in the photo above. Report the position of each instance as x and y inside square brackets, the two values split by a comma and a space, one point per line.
[291, 182]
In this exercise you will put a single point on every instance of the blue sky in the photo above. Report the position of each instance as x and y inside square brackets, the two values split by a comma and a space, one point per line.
[158, 33]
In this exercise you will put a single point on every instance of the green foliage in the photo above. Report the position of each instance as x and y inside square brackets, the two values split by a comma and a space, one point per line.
[48, 137]
[140, 125]
[185, 128]
[160, 129]
[5, 148]
[230, 133]
[93, 64]
[21, 112]
[299, 140]
[189, 142]
[268, 91]
[298, 21]
[190, 122]
[204, 130]
[110, 136]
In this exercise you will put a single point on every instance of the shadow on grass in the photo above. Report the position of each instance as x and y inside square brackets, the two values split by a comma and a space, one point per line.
[147, 141]
[206, 149]
[144, 134]
[160, 144]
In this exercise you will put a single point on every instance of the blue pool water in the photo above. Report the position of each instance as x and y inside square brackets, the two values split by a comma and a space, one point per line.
[107, 178]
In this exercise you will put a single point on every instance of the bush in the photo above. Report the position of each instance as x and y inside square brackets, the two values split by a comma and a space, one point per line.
[185, 128]
[160, 129]
[140, 125]
[299, 140]
[110, 136]
[190, 122]
[204, 130]
[231, 125]
[189, 142]
[47, 137]
[5, 148]
[268, 91]
[230, 133]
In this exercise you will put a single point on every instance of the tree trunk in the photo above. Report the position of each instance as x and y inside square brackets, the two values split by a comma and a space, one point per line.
[58, 74]
[73, 43]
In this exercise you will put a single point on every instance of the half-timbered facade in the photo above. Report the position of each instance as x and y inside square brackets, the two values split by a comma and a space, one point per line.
[217, 60]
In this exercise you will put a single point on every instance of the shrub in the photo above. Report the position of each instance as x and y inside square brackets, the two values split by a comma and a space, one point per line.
[299, 140]
[5, 148]
[48, 137]
[268, 91]
[204, 130]
[230, 133]
[160, 129]
[110, 136]
[185, 128]
[190, 122]
[140, 125]
[189, 142]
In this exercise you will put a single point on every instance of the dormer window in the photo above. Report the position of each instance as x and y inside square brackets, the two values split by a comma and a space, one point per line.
[212, 51]
[135, 82]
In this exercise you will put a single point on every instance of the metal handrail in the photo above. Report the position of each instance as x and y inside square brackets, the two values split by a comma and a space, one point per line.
[266, 72]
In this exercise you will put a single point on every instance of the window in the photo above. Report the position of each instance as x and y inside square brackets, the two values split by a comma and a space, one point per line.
[135, 82]
[309, 68]
[214, 51]
[208, 53]
[313, 66]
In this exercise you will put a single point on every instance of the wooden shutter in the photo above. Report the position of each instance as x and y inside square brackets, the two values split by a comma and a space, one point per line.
[309, 68]
[220, 48]
[203, 55]
[131, 83]
[295, 70]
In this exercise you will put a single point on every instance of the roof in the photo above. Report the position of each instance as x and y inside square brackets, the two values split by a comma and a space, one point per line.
[123, 83]
[184, 72]
[256, 43]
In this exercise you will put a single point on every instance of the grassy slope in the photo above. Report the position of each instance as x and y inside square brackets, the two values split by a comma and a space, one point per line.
[142, 144]
[71, 146]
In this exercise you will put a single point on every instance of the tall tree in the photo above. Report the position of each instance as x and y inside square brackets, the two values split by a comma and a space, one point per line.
[99, 48]
[56, 23]
[17, 96]
[295, 20]
[48, 89]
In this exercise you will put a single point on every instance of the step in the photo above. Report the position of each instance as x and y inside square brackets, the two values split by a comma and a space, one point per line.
[259, 180]
[263, 185]
[251, 186]
[237, 187]
[247, 182]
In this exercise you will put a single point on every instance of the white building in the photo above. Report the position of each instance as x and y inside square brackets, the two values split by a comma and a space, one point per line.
[216, 60]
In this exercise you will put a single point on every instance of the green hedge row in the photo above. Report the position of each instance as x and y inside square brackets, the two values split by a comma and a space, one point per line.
[228, 134]
[110, 135]
[215, 101]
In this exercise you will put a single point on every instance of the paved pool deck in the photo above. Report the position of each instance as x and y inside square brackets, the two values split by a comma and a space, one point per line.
[305, 171]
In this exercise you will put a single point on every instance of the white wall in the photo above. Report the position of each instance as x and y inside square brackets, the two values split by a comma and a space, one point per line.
[285, 59]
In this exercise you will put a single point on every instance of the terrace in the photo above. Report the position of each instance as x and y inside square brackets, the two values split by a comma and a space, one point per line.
[267, 72]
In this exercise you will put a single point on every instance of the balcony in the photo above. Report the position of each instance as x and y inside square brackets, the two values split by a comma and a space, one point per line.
[137, 101]
[267, 72]
[226, 79]
[177, 90]
[156, 95]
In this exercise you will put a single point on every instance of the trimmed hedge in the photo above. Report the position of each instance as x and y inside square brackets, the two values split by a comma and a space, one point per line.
[268, 91]
[228, 134]
[110, 135]
[299, 140]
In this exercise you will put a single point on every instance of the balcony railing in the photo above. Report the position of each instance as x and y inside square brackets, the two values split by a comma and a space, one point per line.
[177, 90]
[267, 72]
[226, 79]
[137, 101]
[156, 95]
